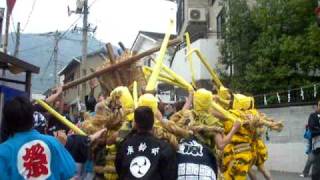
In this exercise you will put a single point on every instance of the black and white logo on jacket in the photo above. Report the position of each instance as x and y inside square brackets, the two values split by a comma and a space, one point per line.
[192, 148]
[139, 166]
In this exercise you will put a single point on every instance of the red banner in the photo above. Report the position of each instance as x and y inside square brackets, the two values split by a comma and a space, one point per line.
[10, 5]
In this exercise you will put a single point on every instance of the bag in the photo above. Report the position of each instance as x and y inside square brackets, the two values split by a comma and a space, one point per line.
[315, 143]
[307, 134]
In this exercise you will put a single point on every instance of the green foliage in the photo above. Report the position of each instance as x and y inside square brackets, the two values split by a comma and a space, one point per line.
[273, 46]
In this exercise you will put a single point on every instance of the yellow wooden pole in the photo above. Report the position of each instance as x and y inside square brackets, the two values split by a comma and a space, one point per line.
[60, 117]
[151, 85]
[177, 77]
[189, 58]
[226, 113]
[207, 65]
[163, 78]
[135, 94]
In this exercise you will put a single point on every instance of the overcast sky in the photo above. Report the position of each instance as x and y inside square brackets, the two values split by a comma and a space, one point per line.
[117, 20]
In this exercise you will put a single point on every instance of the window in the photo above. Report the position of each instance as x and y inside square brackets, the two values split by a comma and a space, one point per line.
[220, 23]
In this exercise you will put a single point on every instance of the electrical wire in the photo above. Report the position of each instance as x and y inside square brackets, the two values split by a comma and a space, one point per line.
[60, 37]
[68, 29]
[29, 16]
[48, 64]
[34, 47]
[14, 29]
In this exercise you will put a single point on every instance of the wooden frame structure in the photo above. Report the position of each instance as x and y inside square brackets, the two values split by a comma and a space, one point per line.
[17, 66]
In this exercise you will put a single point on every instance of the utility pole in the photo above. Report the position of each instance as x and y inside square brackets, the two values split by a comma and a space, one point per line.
[6, 33]
[57, 38]
[84, 46]
[16, 49]
[82, 8]
[2, 10]
[55, 56]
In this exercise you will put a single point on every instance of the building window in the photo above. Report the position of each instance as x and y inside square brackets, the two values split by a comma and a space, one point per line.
[211, 2]
[220, 23]
[69, 78]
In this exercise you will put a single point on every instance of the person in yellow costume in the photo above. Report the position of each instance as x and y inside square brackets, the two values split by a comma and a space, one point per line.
[204, 122]
[259, 147]
[159, 131]
[116, 114]
[260, 156]
[205, 114]
[246, 149]
[238, 155]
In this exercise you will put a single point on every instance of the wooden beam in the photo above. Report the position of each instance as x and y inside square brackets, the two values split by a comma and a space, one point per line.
[112, 59]
[28, 83]
[12, 81]
[117, 65]
[19, 63]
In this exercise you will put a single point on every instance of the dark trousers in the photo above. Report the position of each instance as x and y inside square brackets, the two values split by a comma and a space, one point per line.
[316, 166]
[309, 162]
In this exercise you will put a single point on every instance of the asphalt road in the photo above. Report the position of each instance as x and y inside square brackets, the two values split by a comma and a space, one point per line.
[284, 176]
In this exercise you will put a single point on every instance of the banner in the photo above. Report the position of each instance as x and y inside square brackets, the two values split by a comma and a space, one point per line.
[10, 5]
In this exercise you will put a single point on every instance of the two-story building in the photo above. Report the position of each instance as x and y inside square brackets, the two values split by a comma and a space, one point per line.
[203, 20]
[72, 71]
[146, 40]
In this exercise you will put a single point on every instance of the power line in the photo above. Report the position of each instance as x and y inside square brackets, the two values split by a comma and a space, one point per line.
[34, 47]
[60, 37]
[48, 64]
[68, 29]
[14, 29]
[30, 13]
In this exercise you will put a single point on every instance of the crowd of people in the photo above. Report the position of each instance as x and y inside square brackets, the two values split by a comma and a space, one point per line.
[152, 143]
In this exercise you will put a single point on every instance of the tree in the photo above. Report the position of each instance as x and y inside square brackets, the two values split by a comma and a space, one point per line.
[238, 34]
[283, 52]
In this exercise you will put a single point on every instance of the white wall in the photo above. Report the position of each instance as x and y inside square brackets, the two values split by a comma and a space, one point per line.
[213, 13]
[209, 49]
[287, 149]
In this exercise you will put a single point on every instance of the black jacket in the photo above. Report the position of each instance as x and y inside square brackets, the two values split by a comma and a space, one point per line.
[195, 160]
[143, 156]
[314, 127]
[314, 124]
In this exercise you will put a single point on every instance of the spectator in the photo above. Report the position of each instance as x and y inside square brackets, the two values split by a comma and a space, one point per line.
[307, 167]
[90, 100]
[52, 124]
[79, 147]
[314, 126]
[27, 154]
[143, 156]
[40, 121]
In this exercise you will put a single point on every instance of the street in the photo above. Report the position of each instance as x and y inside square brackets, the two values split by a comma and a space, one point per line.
[276, 175]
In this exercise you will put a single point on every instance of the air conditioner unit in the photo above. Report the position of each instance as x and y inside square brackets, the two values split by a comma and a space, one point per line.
[197, 14]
